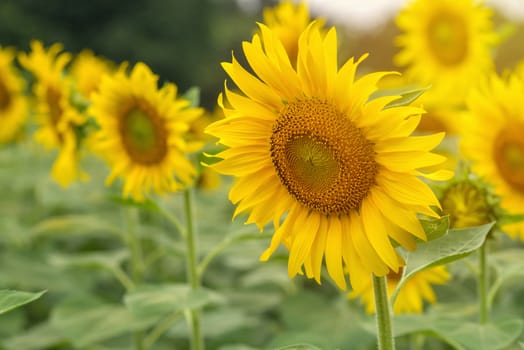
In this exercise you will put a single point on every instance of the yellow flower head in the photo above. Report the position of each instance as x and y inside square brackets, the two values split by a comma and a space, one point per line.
[413, 293]
[288, 20]
[467, 203]
[142, 132]
[446, 43]
[336, 173]
[55, 114]
[88, 69]
[13, 103]
[493, 140]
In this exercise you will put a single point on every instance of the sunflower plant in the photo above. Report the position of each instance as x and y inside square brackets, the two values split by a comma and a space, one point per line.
[386, 206]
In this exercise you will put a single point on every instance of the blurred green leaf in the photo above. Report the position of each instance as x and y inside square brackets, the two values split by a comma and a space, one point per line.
[85, 325]
[42, 336]
[219, 322]
[299, 347]
[460, 332]
[456, 244]
[491, 336]
[11, 299]
[108, 260]
[510, 219]
[74, 224]
[159, 300]
[146, 204]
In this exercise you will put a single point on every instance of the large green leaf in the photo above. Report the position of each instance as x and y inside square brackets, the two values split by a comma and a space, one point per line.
[473, 336]
[158, 300]
[459, 331]
[456, 244]
[11, 299]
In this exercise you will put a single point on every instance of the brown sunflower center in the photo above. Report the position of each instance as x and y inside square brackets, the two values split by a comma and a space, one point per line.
[448, 38]
[144, 135]
[509, 155]
[321, 157]
[5, 96]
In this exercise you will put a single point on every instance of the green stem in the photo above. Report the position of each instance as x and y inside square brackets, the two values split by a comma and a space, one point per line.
[192, 273]
[160, 329]
[137, 263]
[483, 285]
[173, 220]
[383, 314]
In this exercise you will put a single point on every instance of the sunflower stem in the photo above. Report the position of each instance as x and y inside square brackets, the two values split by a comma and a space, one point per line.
[483, 285]
[383, 314]
[192, 272]
[137, 262]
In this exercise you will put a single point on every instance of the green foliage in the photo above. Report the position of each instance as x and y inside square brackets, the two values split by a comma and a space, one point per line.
[454, 245]
[11, 299]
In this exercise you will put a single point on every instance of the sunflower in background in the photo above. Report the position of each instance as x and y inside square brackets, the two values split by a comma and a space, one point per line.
[446, 43]
[142, 132]
[335, 173]
[469, 202]
[412, 295]
[494, 141]
[288, 20]
[14, 106]
[88, 70]
[57, 117]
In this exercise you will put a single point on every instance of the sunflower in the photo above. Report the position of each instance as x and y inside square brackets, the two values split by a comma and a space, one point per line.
[494, 142]
[142, 132]
[288, 20]
[336, 173]
[88, 69]
[58, 119]
[413, 293]
[13, 103]
[447, 44]
[468, 203]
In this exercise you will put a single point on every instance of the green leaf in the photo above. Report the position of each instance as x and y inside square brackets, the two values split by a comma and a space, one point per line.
[74, 225]
[407, 94]
[11, 299]
[299, 347]
[455, 328]
[456, 244]
[85, 325]
[491, 336]
[42, 336]
[435, 228]
[159, 300]
[510, 219]
[146, 204]
[108, 260]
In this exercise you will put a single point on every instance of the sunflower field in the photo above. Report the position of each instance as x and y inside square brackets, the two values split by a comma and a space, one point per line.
[241, 175]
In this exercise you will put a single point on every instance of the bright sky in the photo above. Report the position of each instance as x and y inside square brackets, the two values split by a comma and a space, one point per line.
[367, 14]
[371, 13]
